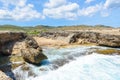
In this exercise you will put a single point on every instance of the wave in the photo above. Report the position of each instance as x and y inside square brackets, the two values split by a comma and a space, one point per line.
[80, 67]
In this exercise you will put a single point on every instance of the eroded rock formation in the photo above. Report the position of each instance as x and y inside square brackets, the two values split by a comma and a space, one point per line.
[18, 43]
[85, 37]
[17, 47]
[8, 39]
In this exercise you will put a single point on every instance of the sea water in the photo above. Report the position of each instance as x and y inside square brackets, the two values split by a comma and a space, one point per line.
[76, 63]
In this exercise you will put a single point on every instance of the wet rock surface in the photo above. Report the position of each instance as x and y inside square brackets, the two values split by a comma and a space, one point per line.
[108, 51]
[3, 76]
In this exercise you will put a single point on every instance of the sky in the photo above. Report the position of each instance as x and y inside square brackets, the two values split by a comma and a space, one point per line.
[60, 12]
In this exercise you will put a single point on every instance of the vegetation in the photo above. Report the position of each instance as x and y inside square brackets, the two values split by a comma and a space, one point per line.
[43, 28]
[11, 28]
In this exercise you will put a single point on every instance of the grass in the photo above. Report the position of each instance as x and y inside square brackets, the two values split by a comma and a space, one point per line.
[28, 30]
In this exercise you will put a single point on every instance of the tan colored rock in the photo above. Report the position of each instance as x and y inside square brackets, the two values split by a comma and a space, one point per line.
[108, 51]
[3, 76]
[32, 52]
[18, 43]
[85, 37]
[33, 56]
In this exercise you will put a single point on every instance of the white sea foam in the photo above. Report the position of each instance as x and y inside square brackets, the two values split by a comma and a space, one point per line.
[74, 64]
[89, 67]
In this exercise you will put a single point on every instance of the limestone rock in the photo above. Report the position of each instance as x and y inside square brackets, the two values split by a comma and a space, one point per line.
[8, 39]
[32, 55]
[86, 37]
[3, 76]
[31, 43]
[32, 52]
[11, 36]
[18, 43]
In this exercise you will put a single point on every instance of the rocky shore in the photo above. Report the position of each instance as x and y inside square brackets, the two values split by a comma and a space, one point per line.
[17, 47]
[85, 37]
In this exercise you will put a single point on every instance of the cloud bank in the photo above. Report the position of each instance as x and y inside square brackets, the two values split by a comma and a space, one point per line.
[21, 10]
[18, 10]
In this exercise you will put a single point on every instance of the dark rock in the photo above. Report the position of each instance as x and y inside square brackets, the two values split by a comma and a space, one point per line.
[31, 43]
[7, 40]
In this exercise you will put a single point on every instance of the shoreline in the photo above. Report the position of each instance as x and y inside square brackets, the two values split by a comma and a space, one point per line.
[44, 42]
[28, 48]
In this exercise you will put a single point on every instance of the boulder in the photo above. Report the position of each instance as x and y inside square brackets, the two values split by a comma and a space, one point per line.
[32, 55]
[3, 76]
[32, 52]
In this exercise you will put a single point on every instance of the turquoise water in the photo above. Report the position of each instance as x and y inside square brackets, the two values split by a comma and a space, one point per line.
[74, 64]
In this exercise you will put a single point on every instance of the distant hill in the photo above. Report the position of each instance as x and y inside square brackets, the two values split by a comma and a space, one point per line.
[102, 26]
[42, 28]
[10, 27]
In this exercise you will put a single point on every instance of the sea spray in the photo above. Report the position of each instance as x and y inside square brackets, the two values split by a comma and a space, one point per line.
[73, 64]
[89, 67]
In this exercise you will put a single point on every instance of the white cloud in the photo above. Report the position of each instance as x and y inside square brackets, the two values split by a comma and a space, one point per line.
[55, 3]
[109, 6]
[89, 11]
[20, 3]
[112, 4]
[57, 9]
[21, 10]
[89, 1]
[61, 9]
[70, 10]
[4, 14]
[26, 13]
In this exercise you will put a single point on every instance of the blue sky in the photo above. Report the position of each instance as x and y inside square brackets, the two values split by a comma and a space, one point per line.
[60, 12]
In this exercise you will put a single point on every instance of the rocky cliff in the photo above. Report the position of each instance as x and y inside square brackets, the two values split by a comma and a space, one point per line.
[18, 43]
[8, 39]
[81, 37]
[17, 47]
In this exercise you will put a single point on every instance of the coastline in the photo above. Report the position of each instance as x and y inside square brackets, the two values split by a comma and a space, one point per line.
[31, 46]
